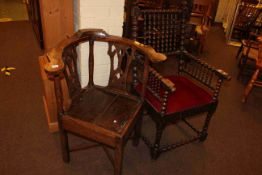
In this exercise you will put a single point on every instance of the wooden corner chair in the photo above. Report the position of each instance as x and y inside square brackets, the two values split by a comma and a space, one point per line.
[107, 115]
[254, 80]
[192, 91]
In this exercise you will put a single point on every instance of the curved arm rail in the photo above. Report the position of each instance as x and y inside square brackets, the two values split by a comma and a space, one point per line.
[56, 64]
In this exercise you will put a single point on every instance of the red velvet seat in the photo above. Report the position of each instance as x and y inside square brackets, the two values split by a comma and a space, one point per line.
[194, 90]
[186, 96]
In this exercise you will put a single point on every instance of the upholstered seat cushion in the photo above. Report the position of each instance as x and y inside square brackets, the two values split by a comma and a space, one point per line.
[187, 95]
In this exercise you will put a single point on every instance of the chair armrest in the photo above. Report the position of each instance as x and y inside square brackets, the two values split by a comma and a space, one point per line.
[200, 64]
[157, 84]
[202, 73]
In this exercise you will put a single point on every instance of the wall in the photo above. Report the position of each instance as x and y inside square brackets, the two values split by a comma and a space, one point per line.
[105, 14]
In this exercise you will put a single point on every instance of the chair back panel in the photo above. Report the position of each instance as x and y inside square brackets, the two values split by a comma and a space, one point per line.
[70, 59]
[122, 56]
[162, 29]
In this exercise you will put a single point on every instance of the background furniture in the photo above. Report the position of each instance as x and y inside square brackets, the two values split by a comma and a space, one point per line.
[106, 115]
[163, 29]
[201, 18]
[254, 81]
[245, 19]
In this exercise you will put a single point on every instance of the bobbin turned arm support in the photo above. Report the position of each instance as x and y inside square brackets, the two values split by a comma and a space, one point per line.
[202, 72]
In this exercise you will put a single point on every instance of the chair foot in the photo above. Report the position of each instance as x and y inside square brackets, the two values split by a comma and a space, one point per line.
[137, 132]
[203, 136]
[64, 146]
[155, 152]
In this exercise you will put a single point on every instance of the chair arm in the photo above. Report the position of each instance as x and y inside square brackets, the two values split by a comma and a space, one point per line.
[159, 86]
[200, 70]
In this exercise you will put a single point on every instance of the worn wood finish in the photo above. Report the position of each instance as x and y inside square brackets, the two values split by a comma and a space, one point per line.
[106, 115]
[248, 52]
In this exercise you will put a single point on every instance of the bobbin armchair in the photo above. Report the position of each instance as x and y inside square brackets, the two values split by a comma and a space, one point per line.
[192, 91]
[107, 115]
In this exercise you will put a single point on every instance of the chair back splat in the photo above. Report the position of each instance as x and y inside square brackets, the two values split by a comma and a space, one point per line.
[108, 114]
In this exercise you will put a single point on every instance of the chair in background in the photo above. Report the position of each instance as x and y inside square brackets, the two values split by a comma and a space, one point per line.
[248, 56]
[254, 81]
[245, 19]
[107, 115]
[194, 90]
[254, 32]
[201, 18]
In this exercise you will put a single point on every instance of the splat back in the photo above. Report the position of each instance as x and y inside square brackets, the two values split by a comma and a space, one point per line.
[120, 56]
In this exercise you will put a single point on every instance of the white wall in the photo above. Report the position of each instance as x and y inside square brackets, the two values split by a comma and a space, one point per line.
[104, 14]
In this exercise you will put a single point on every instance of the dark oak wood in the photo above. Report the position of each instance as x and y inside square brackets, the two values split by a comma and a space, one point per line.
[163, 29]
[106, 115]
[159, 94]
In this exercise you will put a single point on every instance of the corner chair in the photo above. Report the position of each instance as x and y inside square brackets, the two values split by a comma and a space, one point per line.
[107, 115]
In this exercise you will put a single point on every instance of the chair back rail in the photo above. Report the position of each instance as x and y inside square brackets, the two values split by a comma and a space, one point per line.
[163, 29]
[203, 73]
[121, 52]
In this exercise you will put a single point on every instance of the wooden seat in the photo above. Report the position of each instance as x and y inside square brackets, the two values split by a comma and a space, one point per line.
[254, 80]
[107, 115]
[194, 90]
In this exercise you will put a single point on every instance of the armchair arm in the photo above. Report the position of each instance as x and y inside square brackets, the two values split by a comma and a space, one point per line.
[56, 65]
[202, 72]
[157, 84]
[189, 58]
